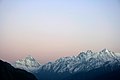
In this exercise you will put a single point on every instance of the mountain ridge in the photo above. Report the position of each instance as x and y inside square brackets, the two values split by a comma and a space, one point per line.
[83, 62]
[70, 63]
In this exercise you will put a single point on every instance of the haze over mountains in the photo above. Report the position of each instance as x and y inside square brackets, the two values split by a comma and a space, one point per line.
[66, 68]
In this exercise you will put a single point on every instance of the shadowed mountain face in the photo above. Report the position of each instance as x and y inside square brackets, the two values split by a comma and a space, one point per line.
[7, 72]
[102, 73]
[105, 72]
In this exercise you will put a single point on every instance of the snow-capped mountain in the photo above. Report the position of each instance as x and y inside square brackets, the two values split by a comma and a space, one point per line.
[105, 61]
[29, 64]
[85, 61]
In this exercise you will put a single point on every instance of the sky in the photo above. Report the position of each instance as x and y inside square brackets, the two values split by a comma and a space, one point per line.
[50, 29]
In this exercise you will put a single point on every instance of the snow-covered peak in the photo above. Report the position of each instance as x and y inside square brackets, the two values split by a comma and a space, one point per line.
[29, 63]
[29, 57]
[105, 50]
[89, 51]
[84, 56]
[107, 55]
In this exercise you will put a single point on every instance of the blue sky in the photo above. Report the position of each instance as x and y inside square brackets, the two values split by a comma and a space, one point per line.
[48, 29]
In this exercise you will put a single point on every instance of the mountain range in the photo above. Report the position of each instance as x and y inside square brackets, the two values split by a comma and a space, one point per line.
[78, 67]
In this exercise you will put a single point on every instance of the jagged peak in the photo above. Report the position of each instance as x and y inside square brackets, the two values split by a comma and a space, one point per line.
[105, 50]
[28, 61]
[30, 57]
[89, 51]
[81, 53]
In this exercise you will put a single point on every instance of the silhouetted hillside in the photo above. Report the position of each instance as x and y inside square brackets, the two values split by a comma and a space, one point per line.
[8, 72]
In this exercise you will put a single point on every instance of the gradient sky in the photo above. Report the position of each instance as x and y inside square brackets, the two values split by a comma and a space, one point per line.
[50, 29]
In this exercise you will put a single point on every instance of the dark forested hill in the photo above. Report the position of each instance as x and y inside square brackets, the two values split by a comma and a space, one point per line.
[8, 72]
